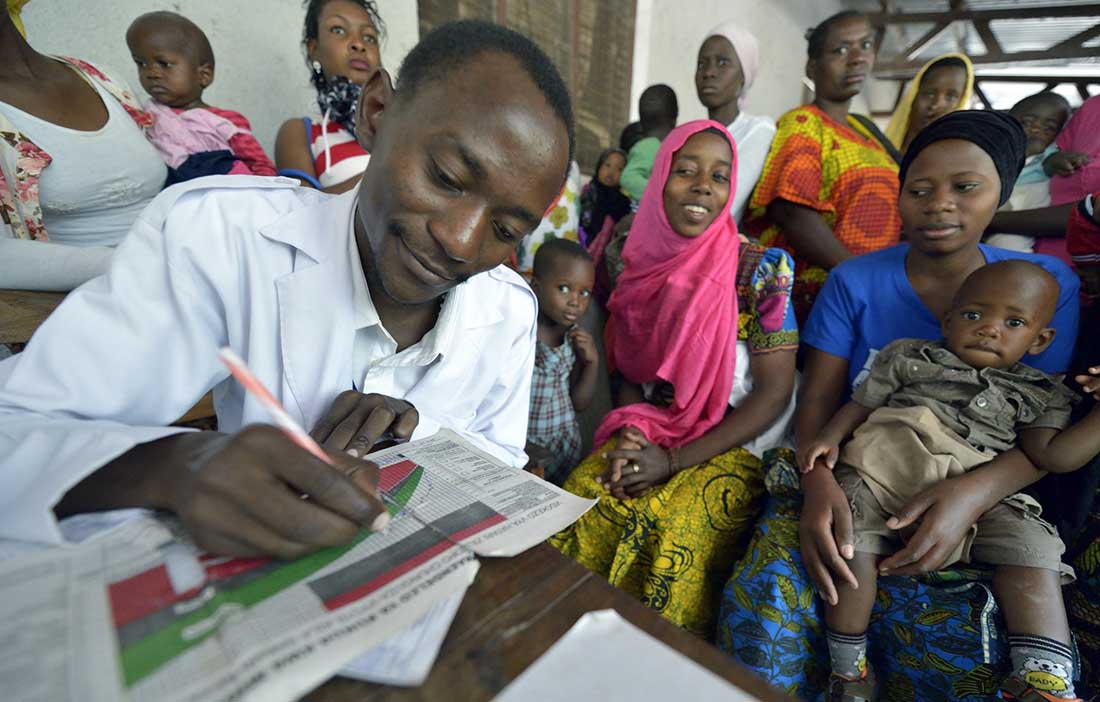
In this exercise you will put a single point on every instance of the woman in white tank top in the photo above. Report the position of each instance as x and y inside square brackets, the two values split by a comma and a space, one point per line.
[75, 165]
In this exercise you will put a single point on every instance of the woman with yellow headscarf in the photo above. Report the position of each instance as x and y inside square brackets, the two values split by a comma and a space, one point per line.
[944, 84]
[15, 7]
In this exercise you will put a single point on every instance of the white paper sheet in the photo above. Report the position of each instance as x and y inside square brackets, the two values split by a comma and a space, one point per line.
[604, 657]
[136, 597]
[406, 658]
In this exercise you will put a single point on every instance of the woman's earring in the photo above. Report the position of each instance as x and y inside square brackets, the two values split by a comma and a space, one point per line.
[316, 66]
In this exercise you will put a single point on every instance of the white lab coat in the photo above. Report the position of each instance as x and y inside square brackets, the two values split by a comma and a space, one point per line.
[258, 264]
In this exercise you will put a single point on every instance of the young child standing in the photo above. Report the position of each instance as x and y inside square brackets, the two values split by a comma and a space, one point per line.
[175, 65]
[933, 410]
[1042, 115]
[566, 359]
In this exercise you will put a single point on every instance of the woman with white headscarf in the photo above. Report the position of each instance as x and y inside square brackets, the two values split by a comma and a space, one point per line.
[727, 65]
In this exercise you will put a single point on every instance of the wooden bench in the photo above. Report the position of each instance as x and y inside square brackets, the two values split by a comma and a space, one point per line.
[21, 311]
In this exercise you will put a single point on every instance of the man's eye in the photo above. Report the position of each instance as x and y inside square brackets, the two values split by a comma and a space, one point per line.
[447, 181]
[1015, 323]
[841, 51]
[563, 289]
[586, 293]
[509, 236]
[972, 316]
[337, 30]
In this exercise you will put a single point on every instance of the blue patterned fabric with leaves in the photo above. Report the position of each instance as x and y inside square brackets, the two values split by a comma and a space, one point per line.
[939, 637]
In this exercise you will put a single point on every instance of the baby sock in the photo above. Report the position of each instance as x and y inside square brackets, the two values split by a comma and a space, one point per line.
[848, 653]
[1042, 663]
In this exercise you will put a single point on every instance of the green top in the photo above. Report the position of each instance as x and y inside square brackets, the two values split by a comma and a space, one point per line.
[639, 164]
[985, 407]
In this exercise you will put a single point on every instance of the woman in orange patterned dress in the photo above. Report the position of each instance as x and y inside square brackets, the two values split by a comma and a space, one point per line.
[830, 183]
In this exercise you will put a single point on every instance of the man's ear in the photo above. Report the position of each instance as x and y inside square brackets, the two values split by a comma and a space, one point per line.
[1042, 342]
[376, 96]
[206, 75]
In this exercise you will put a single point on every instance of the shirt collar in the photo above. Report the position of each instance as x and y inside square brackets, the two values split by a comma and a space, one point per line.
[434, 344]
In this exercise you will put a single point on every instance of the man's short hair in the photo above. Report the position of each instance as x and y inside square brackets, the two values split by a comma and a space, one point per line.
[454, 45]
[554, 250]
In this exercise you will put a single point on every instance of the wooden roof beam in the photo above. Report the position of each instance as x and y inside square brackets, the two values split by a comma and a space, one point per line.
[992, 46]
[908, 68]
[883, 18]
[925, 39]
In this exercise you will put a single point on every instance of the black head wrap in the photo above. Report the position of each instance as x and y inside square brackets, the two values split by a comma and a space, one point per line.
[599, 201]
[997, 133]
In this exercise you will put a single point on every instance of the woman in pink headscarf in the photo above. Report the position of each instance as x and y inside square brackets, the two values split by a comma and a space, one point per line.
[703, 336]
[726, 68]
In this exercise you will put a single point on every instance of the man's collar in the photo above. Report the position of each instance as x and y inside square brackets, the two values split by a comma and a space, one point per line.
[324, 232]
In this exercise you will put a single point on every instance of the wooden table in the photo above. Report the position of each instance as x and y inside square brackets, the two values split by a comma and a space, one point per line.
[21, 311]
[515, 610]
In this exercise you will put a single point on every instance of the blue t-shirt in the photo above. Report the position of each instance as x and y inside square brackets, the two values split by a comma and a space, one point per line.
[867, 302]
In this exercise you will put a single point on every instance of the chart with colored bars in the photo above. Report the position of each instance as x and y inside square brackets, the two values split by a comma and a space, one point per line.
[155, 625]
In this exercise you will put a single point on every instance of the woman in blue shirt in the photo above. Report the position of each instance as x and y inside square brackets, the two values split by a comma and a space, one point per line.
[770, 619]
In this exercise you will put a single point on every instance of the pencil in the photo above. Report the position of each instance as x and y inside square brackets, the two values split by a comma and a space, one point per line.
[284, 421]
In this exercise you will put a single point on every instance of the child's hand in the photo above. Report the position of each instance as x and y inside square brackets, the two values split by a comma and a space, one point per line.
[538, 457]
[584, 344]
[818, 450]
[1091, 383]
[1064, 163]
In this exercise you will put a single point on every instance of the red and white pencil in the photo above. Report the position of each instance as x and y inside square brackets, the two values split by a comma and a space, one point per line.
[284, 421]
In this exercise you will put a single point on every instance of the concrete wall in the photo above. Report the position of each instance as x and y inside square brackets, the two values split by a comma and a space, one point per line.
[261, 69]
[668, 35]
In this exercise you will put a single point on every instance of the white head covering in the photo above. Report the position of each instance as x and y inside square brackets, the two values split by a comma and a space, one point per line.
[747, 50]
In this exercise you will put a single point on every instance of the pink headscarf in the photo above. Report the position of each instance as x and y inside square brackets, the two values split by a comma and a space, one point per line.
[674, 310]
[747, 50]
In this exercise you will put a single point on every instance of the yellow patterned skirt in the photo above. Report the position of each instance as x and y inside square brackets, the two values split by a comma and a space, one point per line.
[674, 547]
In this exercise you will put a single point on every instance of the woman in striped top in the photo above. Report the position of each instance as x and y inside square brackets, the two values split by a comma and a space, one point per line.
[341, 38]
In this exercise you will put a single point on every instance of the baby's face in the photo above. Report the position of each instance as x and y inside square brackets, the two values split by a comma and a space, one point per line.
[1042, 121]
[990, 327]
[565, 290]
[170, 76]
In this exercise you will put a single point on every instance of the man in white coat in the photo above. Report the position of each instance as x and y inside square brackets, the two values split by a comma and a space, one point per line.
[384, 312]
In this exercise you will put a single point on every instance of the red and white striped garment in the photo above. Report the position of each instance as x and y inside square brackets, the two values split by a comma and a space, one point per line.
[336, 154]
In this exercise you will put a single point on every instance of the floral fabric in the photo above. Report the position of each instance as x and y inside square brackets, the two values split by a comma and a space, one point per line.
[560, 222]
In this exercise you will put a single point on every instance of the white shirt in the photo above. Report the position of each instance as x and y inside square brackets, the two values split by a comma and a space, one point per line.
[376, 363]
[263, 266]
[753, 136]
